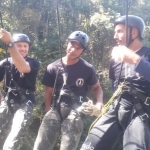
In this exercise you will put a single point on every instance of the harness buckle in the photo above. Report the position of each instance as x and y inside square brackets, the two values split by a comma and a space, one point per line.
[29, 103]
[146, 101]
[27, 91]
[144, 117]
[11, 101]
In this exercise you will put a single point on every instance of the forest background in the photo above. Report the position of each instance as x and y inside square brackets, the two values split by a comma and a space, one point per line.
[38, 19]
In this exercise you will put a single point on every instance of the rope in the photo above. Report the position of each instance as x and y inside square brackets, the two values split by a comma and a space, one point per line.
[106, 106]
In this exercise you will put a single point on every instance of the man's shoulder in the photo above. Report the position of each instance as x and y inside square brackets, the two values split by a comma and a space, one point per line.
[9, 61]
[54, 64]
[146, 47]
[112, 62]
[29, 59]
[34, 63]
[85, 63]
[143, 51]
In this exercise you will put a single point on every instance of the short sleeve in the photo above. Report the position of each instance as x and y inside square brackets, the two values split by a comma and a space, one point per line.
[93, 79]
[34, 65]
[49, 76]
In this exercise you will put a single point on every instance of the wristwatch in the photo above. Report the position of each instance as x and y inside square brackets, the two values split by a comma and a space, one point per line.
[11, 44]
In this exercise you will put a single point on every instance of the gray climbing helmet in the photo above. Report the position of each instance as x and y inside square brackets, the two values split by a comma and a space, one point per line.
[20, 37]
[80, 37]
[133, 21]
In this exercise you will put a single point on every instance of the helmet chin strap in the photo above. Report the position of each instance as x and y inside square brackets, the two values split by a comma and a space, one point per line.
[130, 38]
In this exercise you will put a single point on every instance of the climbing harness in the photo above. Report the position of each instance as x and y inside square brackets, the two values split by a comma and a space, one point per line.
[65, 90]
[20, 91]
[119, 87]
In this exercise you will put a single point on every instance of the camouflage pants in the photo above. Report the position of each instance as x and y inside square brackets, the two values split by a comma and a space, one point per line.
[71, 130]
[21, 120]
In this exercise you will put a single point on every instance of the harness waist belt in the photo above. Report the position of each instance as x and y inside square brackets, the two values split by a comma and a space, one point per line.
[138, 94]
[26, 91]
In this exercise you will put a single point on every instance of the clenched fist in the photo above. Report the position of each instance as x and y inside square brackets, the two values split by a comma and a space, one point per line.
[5, 36]
[123, 54]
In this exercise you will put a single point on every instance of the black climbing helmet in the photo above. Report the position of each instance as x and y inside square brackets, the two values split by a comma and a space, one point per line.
[80, 37]
[133, 21]
[20, 37]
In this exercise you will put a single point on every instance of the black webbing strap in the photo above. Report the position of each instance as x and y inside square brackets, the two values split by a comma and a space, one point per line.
[137, 98]
[54, 103]
[75, 100]
[72, 97]
[142, 114]
[19, 90]
[69, 94]
[26, 91]
[58, 104]
[146, 100]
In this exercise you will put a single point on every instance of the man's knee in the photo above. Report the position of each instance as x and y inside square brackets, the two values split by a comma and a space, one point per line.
[73, 123]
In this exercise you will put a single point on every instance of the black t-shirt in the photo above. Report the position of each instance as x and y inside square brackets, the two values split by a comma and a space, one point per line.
[79, 77]
[25, 81]
[138, 81]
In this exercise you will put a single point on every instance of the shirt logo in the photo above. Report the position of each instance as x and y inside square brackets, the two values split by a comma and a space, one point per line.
[79, 82]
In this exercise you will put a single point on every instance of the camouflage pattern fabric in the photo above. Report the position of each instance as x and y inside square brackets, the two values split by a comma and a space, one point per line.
[71, 129]
[20, 122]
[5, 115]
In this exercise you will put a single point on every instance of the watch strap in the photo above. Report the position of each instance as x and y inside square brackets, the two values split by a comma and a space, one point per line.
[11, 44]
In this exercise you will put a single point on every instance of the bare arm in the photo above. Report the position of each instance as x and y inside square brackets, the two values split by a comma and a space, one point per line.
[98, 93]
[48, 97]
[19, 61]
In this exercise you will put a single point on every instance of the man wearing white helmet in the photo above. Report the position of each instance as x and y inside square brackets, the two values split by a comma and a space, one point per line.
[19, 74]
[129, 114]
[68, 80]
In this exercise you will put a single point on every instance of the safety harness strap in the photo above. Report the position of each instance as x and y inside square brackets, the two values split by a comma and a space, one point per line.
[26, 91]
[137, 98]
[74, 99]
[146, 100]
[20, 90]
[138, 107]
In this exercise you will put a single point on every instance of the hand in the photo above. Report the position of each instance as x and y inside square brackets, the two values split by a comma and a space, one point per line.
[5, 36]
[90, 109]
[123, 54]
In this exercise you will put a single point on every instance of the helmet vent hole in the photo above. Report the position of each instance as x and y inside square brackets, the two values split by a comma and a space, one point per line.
[77, 34]
[83, 38]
